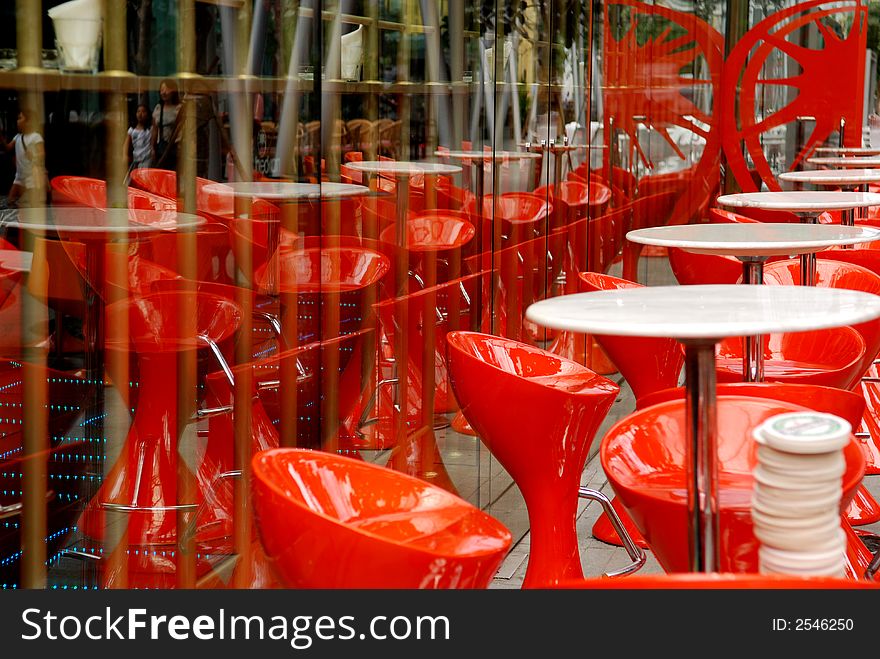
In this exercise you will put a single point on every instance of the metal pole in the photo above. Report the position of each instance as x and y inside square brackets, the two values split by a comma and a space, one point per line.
[702, 463]
[753, 346]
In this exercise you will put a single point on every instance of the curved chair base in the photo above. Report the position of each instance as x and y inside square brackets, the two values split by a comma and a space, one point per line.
[863, 509]
[603, 529]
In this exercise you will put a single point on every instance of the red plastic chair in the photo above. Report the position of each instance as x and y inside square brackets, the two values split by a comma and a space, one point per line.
[863, 509]
[92, 192]
[327, 521]
[831, 357]
[649, 481]
[551, 411]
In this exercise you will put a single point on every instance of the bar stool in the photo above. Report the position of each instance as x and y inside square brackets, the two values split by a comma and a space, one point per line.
[537, 414]
[142, 483]
[643, 456]
[327, 521]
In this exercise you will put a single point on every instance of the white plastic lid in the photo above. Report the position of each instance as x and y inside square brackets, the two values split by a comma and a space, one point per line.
[804, 432]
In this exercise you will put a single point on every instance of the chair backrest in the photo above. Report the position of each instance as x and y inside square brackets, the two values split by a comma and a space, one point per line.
[647, 364]
[405, 532]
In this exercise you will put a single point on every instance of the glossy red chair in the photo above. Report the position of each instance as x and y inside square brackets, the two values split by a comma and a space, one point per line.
[835, 274]
[508, 391]
[574, 201]
[142, 483]
[644, 457]
[752, 215]
[863, 509]
[328, 521]
[831, 358]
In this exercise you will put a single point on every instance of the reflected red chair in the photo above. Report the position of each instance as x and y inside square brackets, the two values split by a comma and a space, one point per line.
[537, 414]
[522, 216]
[142, 483]
[434, 244]
[399, 414]
[650, 211]
[92, 192]
[644, 457]
[574, 201]
[752, 215]
[314, 273]
[328, 521]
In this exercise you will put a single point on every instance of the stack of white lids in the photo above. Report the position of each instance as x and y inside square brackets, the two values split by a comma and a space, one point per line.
[796, 496]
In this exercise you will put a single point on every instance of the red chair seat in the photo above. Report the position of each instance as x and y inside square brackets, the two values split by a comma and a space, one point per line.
[327, 521]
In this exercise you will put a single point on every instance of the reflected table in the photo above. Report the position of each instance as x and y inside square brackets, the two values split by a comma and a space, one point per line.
[16, 260]
[95, 228]
[809, 205]
[285, 193]
[753, 244]
[850, 162]
[698, 317]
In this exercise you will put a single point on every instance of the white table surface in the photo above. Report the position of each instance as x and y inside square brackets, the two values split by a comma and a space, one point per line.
[852, 150]
[16, 260]
[800, 201]
[402, 168]
[758, 239]
[287, 190]
[849, 162]
[705, 312]
[488, 155]
[83, 222]
[833, 176]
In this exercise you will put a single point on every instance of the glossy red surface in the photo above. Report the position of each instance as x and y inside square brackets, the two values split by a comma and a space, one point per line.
[650, 211]
[537, 413]
[647, 364]
[719, 581]
[92, 192]
[144, 477]
[835, 274]
[327, 521]
[325, 270]
[432, 232]
[831, 357]
[644, 457]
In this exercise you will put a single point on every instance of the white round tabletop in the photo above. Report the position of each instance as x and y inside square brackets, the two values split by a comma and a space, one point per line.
[705, 312]
[16, 260]
[402, 168]
[833, 176]
[851, 150]
[488, 155]
[850, 162]
[753, 239]
[287, 190]
[99, 223]
[801, 201]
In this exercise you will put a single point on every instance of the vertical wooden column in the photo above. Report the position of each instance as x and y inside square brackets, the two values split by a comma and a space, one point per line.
[187, 488]
[34, 317]
[241, 136]
[116, 404]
